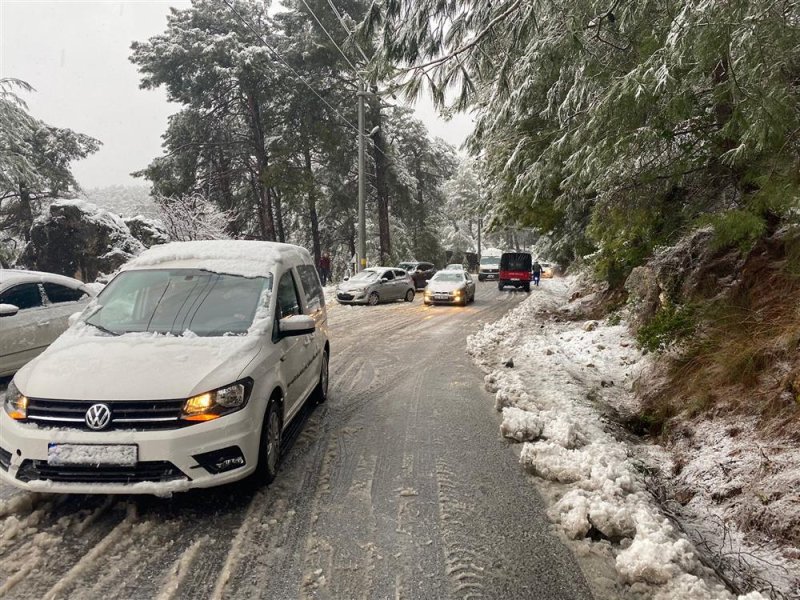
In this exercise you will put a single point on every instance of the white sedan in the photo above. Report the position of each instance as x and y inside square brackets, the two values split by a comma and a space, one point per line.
[34, 310]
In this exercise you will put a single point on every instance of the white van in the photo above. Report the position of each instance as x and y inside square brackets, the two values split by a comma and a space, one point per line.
[183, 373]
[489, 267]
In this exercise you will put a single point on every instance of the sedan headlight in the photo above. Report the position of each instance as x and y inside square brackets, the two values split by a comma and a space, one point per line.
[16, 404]
[214, 404]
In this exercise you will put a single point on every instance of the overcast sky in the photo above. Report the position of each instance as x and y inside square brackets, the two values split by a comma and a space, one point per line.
[75, 53]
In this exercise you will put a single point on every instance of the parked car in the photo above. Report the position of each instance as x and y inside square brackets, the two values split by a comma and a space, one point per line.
[376, 284]
[454, 286]
[34, 311]
[420, 272]
[515, 269]
[183, 373]
[489, 267]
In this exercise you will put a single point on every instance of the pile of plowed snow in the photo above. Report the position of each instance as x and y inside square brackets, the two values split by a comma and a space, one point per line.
[550, 402]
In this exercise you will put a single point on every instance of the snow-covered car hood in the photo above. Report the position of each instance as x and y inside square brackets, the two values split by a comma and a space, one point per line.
[444, 286]
[136, 366]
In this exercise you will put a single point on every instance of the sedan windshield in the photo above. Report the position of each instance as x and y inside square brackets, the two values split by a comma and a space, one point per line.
[364, 276]
[176, 301]
[449, 277]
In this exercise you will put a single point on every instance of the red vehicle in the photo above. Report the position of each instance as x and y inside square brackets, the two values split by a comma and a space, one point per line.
[515, 269]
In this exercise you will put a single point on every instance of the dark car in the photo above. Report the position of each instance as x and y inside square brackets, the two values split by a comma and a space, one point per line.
[420, 272]
[515, 269]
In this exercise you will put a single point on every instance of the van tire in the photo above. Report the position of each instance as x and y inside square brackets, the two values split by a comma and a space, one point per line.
[269, 448]
[320, 393]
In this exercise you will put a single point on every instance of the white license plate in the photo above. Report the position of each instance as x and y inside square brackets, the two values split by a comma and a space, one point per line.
[92, 454]
[515, 279]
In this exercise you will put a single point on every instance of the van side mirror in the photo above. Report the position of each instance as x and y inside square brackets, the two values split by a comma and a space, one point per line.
[294, 325]
[8, 310]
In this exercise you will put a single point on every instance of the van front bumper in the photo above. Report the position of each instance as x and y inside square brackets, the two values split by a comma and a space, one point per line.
[166, 458]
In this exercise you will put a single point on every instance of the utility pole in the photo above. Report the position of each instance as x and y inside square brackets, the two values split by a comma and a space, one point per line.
[362, 184]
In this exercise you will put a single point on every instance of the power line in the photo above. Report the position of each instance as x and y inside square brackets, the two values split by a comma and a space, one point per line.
[330, 37]
[346, 28]
[287, 65]
[294, 71]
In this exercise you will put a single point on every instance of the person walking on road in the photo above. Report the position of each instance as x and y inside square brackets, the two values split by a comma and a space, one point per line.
[536, 269]
[324, 268]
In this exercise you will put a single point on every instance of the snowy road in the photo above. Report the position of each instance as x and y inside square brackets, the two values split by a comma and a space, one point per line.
[398, 487]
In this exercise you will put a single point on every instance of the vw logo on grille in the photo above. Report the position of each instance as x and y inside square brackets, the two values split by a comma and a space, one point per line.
[98, 416]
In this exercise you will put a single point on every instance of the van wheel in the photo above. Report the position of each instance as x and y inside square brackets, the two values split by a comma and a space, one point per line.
[373, 299]
[410, 296]
[500, 286]
[321, 391]
[527, 287]
[269, 450]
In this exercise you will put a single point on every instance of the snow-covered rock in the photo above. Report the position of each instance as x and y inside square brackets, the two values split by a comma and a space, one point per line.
[76, 238]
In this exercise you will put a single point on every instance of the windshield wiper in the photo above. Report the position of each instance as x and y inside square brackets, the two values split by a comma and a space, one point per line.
[101, 328]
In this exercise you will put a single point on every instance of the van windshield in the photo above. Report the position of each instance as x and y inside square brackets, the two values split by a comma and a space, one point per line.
[490, 260]
[177, 301]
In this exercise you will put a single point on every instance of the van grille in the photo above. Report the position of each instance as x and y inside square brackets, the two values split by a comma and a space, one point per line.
[125, 414]
[153, 471]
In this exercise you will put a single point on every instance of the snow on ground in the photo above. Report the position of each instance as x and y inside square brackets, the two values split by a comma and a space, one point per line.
[553, 378]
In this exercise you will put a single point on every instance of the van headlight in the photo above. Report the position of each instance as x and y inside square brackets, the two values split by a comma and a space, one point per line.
[15, 404]
[216, 403]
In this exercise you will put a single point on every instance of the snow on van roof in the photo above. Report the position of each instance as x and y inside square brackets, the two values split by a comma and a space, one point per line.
[248, 258]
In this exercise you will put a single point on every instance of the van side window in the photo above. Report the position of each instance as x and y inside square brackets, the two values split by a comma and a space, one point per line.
[311, 286]
[288, 302]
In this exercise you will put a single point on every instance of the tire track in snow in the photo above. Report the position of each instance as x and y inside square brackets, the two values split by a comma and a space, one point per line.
[180, 570]
[87, 560]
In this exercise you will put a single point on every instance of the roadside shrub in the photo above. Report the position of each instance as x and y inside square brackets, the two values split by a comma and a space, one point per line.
[738, 228]
[669, 325]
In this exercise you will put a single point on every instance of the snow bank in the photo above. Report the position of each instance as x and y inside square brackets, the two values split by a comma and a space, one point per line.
[565, 371]
[237, 257]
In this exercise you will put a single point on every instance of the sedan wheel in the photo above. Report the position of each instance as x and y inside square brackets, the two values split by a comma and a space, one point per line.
[410, 296]
[373, 299]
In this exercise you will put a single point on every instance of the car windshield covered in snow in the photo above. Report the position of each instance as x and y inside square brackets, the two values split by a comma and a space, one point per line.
[174, 301]
[449, 277]
[365, 275]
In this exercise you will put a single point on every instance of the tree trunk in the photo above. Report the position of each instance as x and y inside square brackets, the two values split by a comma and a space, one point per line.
[262, 163]
[311, 203]
[381, 170]
[279, 229]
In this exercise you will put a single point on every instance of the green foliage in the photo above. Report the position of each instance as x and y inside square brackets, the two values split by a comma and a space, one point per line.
[669, 325]
[629, 122]
[35, 161]
[740, 228]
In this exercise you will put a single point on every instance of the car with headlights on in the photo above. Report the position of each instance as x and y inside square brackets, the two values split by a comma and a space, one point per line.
[34, 310]
[450, 287]
[183, 373]
[376, 284]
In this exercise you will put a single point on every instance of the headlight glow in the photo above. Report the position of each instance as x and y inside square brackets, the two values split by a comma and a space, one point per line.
[16, 404]
[214, 404]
